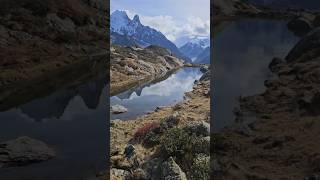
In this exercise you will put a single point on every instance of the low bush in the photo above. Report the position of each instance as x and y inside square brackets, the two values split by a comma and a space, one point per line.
[142, 131]
[151, 139]
[201, 167]
[174, 141]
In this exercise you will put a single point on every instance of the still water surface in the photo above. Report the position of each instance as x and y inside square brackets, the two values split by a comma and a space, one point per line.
[242, 53]
[145, 98]
[72, 121]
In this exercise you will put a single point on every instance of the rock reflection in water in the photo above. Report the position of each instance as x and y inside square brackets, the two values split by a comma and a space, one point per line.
[71, 119]
[242, 53]
[54, 105]
[147, 97]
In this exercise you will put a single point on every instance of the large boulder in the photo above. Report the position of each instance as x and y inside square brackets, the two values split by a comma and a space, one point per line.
[309, 42]
[118, 109]
[24, 150]
[300, 26]
[172, 171]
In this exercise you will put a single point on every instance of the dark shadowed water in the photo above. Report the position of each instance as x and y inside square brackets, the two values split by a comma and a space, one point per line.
[71, 120]
[145, 98]
[242, 53]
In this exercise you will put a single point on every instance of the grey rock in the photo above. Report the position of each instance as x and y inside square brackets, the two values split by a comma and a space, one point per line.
[172, 171]
[198, 128]
[24, 150]
[204, 69]
[206, 76]
[120, 172]
[129, 70]
[300, 26]
[118, 109]
[140, 174]
[307, 43]
[129, 151]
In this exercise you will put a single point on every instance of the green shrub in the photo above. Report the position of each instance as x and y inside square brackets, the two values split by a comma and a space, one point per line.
[201, 167]
[174, 140]
[151, 139]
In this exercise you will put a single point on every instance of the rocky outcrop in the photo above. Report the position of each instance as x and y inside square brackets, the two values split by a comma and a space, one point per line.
[303, 23]
[132, 64]
[40, 37]
[277, 128]
[172, 171]
[310, 42]
[24, 151]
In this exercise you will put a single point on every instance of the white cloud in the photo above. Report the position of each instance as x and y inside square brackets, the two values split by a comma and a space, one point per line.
[173, 28]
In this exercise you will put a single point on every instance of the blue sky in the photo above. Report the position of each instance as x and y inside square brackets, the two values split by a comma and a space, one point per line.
[174, 18]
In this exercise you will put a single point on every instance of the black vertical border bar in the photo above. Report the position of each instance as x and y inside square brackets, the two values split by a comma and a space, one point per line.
[107, 21]
[211, 92]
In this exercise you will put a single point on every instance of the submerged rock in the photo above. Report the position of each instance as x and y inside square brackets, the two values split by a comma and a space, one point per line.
[24, 150]
[118, 109]
[172, 171]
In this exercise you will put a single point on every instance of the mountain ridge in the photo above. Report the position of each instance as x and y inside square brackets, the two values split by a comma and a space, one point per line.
[127, 32]
[195, 47]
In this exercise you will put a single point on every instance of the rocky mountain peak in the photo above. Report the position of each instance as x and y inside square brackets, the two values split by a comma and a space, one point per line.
[129, 32]
[136, 19]
[120, 14]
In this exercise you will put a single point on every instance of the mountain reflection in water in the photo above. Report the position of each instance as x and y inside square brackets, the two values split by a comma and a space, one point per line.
[72, 120]
[148, 96]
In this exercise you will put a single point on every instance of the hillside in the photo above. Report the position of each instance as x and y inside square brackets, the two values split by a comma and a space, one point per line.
[41, 36]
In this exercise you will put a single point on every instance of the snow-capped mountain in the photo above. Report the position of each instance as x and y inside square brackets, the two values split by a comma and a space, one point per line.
[204, 56]
[195, 47]
[127, 32]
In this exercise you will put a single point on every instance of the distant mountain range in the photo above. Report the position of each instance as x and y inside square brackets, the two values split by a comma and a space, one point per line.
[197, 49]
[204, 56]
[308, 4]
[127, 32]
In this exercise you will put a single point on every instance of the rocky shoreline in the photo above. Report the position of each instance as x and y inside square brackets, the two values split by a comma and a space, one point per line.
[276, 133]
[138, 149]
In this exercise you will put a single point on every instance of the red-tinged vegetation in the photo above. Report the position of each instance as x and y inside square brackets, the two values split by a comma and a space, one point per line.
[142, 131]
